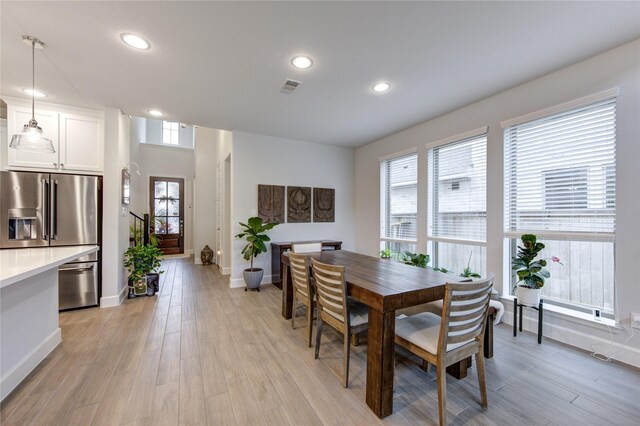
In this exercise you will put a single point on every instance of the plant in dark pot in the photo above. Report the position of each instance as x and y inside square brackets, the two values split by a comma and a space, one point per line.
[530, 271]
[254, 233]
[143, 264]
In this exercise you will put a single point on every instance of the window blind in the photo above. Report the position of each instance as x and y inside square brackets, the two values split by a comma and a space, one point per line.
[457, 192]
[560, 174]
[399, 198]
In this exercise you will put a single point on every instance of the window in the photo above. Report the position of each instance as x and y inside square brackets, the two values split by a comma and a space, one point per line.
[399, 204]
[457, 204]
[170, 133]
[560, 185]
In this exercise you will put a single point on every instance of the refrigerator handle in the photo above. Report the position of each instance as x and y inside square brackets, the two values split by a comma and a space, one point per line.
[54, 210]
[45, 209]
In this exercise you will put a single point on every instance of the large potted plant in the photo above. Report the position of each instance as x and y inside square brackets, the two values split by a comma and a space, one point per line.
[530, 271]
[143, 264]
[254, 233]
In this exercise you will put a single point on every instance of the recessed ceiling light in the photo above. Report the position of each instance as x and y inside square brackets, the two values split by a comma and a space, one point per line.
[35, 93]
[302, 62]
[381, 86]
[135, 41]
[156, 112]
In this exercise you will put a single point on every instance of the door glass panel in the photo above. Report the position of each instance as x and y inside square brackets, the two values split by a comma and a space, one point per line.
[160, 189]
[173, 225]
[174, 207]
[160, 225]
[160, 208]
[174, 190]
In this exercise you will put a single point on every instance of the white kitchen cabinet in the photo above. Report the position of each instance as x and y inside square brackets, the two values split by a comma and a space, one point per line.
[81, 143]
[77, 138]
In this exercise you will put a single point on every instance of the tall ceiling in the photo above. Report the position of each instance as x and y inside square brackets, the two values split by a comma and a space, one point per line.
[221, 64]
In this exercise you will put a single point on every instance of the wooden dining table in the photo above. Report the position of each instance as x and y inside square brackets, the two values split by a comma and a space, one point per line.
[384, 286]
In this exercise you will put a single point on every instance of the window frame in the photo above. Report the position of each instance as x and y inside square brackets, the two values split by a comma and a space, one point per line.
[386, 213]
[511, 236]
[432, 241]
[173, 132]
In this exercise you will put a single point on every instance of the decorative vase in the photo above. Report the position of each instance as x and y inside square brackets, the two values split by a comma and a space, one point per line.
[206, 255]
[253, 278]
[528, 296]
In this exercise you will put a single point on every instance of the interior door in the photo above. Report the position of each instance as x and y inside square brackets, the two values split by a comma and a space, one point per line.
[167, 211]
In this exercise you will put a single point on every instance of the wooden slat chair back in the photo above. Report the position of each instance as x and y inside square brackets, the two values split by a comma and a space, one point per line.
[303, 290]
[336, 310]
[456, 335]
[306, 247]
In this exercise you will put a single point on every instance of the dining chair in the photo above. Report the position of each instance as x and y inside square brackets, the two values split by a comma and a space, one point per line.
[496, 310]
[457, 334]
[306, 247]
[302, 289]
[336, 310]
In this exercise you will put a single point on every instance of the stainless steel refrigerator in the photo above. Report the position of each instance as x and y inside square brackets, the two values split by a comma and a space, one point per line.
[49, 210]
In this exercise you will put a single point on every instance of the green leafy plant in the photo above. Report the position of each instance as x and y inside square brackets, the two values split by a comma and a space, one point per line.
[420, 260]
[137, 235]
[254, 233]
[467, 272]
[141, 260]
[443, 270]
[531, 273]
[385, 254]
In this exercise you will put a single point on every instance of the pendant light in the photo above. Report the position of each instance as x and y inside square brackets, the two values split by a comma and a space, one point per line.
[31, 137]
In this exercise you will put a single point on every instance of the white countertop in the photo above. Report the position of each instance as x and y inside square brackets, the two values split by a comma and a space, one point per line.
[18, 264]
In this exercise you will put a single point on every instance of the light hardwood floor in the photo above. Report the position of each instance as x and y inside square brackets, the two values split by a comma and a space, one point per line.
[201, 353]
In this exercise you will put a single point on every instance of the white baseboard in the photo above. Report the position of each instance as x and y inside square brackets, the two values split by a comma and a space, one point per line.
[239, 282]
[111, 301]
[22, 369]
[189, 252]
[197, 260]
[225, 270]
[582, 335]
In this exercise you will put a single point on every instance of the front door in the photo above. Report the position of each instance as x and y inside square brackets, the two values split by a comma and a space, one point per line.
[167, 213]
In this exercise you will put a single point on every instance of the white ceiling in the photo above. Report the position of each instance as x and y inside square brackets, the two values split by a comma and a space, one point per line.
[220, 64]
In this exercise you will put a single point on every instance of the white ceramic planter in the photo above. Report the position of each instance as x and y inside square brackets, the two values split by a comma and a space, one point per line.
[253, 277]
[528, 296]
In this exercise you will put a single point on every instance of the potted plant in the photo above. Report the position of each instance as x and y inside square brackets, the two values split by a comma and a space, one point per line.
[420, 260]
[143, 264]
[254, 233]
[467, 272]
[385, 254]
[530, 271]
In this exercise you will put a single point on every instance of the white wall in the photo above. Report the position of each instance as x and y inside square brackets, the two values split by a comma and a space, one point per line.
[259, 159]
[224, 186]
[115, 223]
[619, 67]
[206, 141]
[163, 161]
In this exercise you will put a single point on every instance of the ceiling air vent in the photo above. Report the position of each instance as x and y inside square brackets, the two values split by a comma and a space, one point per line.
[289, 86]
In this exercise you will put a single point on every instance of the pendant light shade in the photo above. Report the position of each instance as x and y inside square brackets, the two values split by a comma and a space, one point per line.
[31, 137]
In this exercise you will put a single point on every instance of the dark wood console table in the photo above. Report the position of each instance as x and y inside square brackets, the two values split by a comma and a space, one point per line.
[282, 247]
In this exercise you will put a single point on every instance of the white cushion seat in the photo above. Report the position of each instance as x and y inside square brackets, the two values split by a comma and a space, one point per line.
[423, 330]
